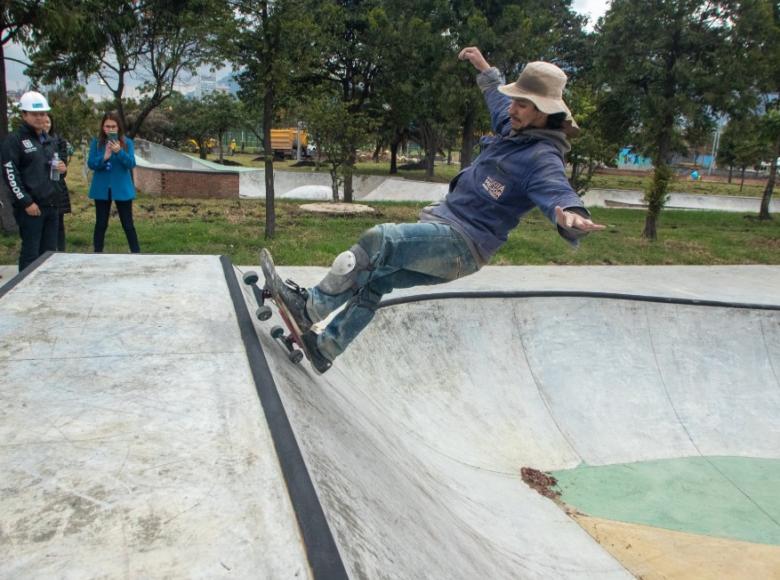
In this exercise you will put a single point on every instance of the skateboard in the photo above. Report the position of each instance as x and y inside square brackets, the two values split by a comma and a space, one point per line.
[290, 339]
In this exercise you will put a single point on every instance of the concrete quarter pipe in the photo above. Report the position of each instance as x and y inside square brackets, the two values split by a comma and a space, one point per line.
[151, 428]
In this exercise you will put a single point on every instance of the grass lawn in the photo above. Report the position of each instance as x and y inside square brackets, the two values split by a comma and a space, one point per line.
[236, 228]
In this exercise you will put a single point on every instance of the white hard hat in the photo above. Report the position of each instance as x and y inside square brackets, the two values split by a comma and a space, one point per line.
[32, 101]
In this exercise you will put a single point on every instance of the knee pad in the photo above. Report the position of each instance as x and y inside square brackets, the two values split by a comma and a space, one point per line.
[344, 270]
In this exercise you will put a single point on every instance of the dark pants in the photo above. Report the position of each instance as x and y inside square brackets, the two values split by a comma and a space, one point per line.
[61, 233]
[38, 233]
[102, 213]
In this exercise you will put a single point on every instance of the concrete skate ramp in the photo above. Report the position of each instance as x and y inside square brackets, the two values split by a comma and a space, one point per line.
[417, 436]
[152, 429]
[134, 444]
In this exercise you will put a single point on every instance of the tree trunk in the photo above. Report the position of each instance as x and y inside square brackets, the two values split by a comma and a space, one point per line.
[574, 179]
[221, 150]
[334, 182]
[770, 186]
[731, 171]
[656, 194]
[349, 168]
[268, 158]
[155, 101]
[467, 138]
[430, 156]
[656, 198]
[742, 178]
[394, 157]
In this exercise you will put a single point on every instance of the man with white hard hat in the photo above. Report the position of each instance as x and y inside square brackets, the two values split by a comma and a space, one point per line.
[27, 156]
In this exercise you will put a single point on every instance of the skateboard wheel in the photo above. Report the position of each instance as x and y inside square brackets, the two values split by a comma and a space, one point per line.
[277, 332]
[263, 313]
[251, 277]
[295, 357]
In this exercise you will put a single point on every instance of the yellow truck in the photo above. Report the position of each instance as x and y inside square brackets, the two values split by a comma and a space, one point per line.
[284, 142]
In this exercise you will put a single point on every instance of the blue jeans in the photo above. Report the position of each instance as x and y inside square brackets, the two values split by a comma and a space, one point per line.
[400, 256]
[38, 233]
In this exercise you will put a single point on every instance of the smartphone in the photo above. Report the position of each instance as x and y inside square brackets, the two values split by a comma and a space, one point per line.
[113, 136]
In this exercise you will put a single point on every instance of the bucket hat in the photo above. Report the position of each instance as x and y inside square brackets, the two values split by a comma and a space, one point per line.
[542, 83]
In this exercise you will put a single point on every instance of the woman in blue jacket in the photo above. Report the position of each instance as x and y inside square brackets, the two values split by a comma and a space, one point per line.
[112, 158]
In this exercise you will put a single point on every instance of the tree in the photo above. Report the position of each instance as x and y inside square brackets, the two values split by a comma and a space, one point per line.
[661, 60]
[223, 114]
[73, 114]
[155, 40]
[411, 106]
[267, 42]
[17, 19]
[758, 30]
[771, 131]
[336, 130]
[697, 133]
[424, 98]
[350, 54]
[510, 35]
[742, 145]
[191, 120]
[592, 147]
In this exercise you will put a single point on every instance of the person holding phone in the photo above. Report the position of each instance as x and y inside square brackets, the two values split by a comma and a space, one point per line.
[112, 158]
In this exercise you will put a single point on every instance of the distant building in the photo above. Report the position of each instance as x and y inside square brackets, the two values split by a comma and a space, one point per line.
[207, 84]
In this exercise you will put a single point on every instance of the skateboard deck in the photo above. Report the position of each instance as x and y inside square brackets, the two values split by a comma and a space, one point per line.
[291, 338]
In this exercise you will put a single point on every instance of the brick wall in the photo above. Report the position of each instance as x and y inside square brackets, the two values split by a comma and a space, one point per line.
[177, 183]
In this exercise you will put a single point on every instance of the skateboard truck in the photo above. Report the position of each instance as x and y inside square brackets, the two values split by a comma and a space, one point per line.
[264, 312]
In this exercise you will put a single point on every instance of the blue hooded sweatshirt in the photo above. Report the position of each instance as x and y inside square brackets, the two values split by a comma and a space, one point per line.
[515, 172]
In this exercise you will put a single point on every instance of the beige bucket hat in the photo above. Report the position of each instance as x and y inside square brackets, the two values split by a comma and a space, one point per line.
[542, 83]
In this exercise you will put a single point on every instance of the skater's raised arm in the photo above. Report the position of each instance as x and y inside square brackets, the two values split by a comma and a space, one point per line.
[474, 56]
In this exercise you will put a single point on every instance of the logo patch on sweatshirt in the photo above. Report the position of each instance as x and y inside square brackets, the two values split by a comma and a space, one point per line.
[28, 146]
[493, 187]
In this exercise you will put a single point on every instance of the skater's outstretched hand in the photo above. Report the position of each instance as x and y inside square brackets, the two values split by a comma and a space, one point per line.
[574, 221]
[474, 56]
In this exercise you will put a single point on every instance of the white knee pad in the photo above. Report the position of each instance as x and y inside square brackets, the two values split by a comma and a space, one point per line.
[344, 263]
[344, 270]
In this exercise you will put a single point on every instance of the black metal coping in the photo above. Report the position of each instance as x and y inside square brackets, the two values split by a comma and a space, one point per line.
[573, 294]
[323, 555]
[8, 286]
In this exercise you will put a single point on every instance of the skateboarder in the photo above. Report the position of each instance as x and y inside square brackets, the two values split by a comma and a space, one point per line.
[522, 167]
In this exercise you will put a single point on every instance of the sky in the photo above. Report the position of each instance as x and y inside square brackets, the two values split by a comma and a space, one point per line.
[16, 80]
[591, 8]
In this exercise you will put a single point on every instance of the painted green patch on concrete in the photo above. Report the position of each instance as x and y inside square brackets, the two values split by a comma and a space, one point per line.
[728, 497]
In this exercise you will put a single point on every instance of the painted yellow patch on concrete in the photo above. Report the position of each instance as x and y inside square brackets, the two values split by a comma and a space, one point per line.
[654, 553]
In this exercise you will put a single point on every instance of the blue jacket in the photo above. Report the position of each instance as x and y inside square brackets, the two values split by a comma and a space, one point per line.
[515, 172]
[115, 174]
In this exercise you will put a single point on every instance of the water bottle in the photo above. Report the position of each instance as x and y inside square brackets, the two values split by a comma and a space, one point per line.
[54, 174]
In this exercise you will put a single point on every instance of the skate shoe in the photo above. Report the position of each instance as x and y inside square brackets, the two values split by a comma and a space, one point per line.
[294, 298]
[319, 361]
